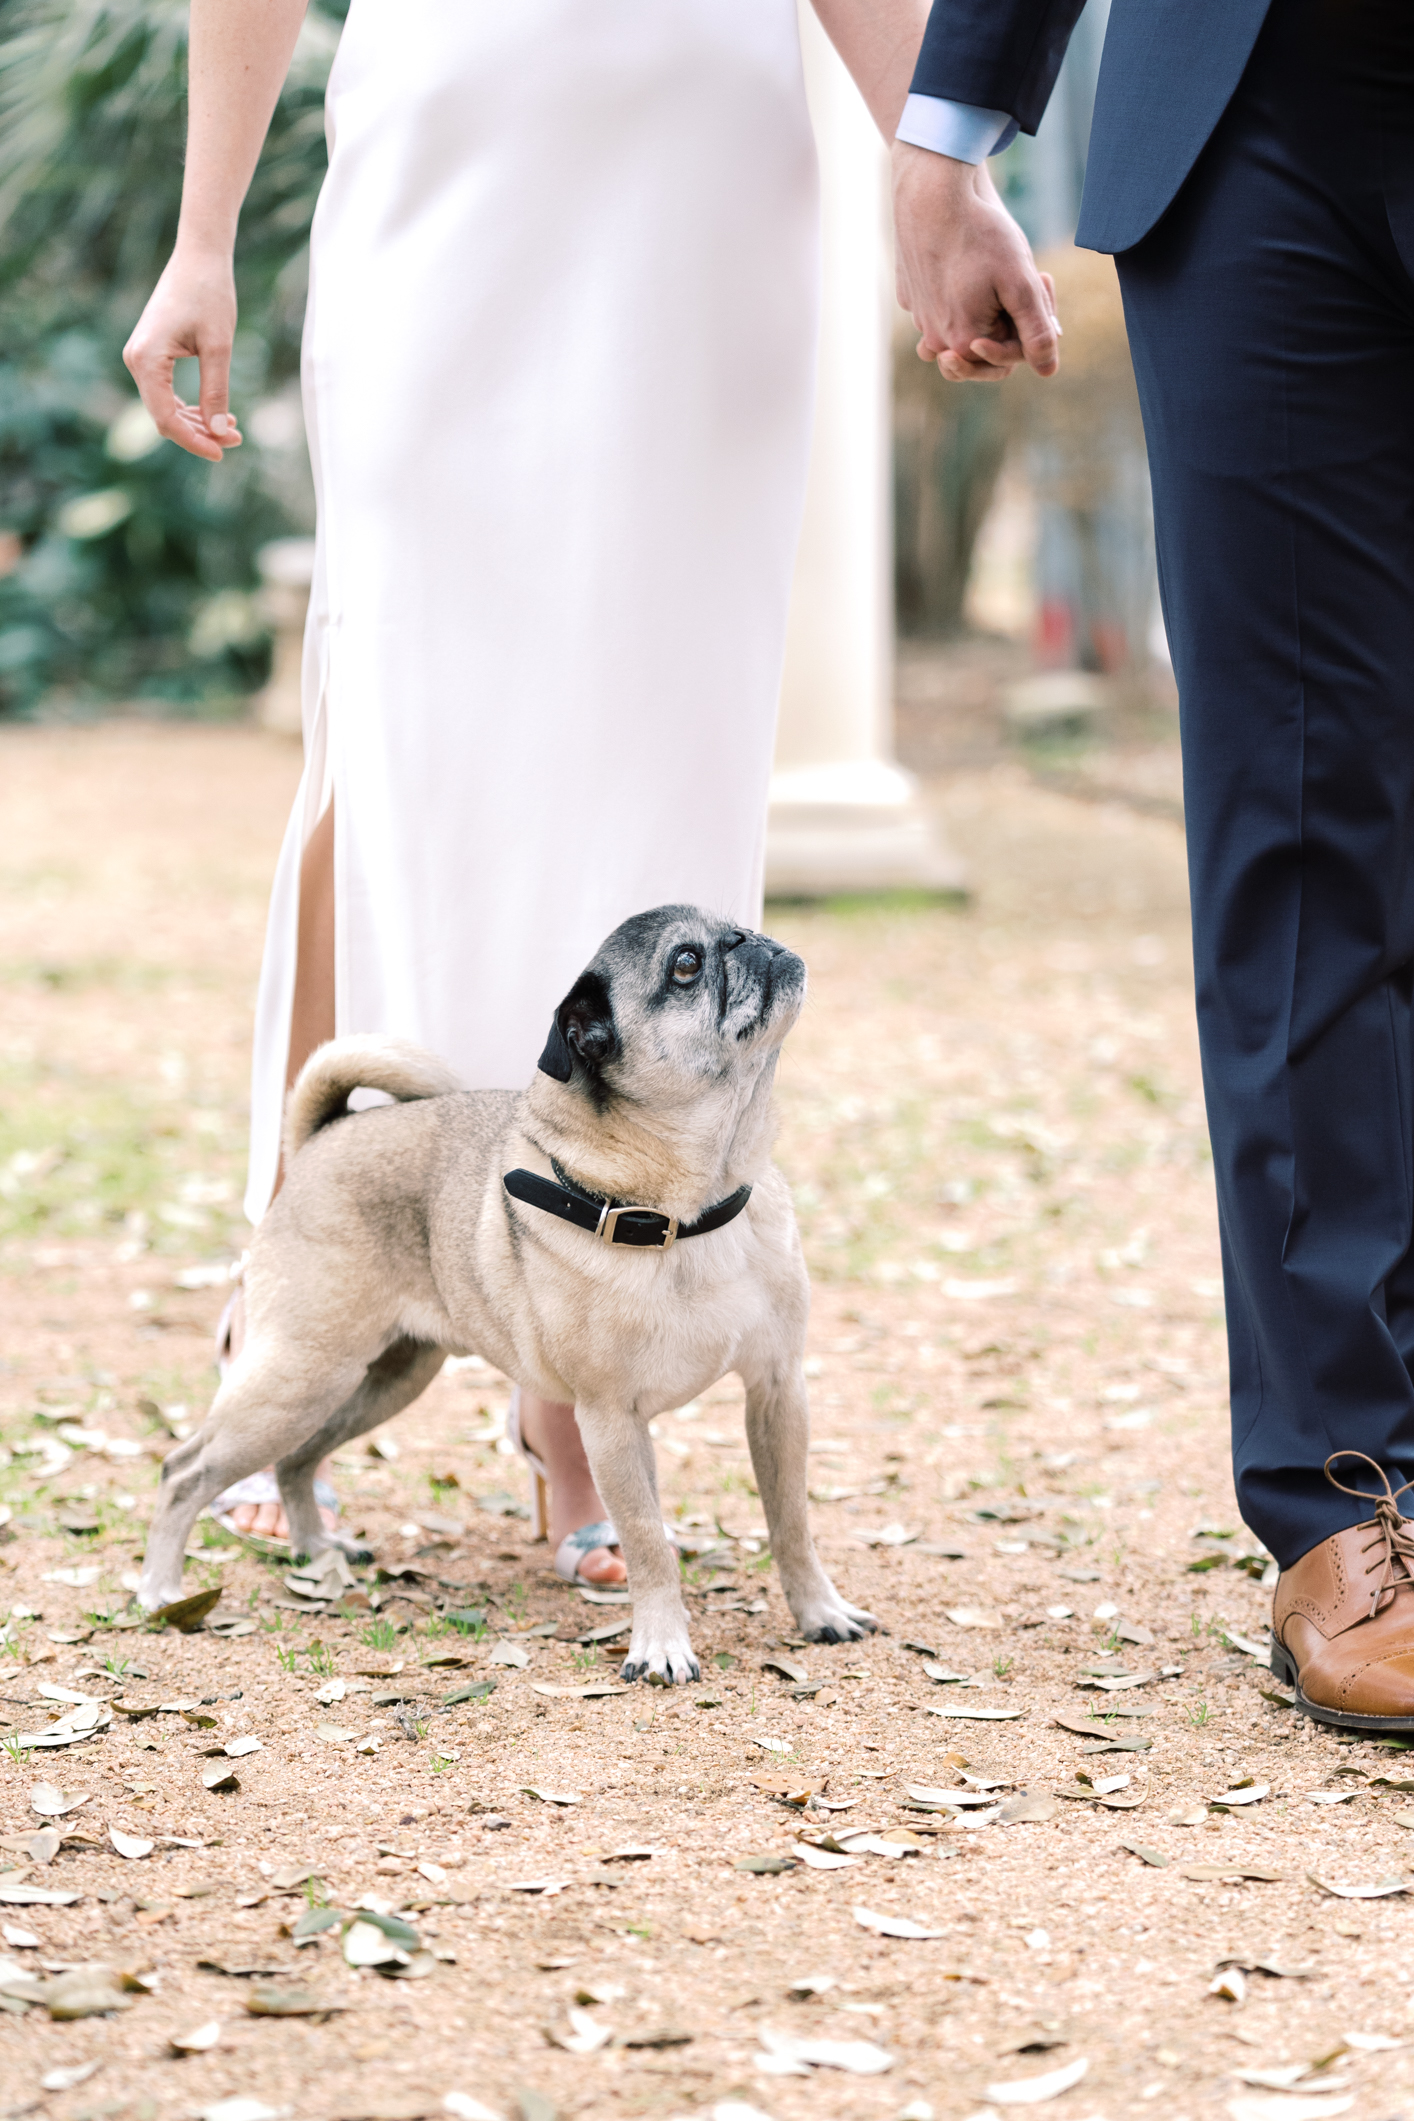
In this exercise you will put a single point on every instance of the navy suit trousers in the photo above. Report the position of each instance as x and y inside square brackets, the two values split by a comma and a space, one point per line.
[1271, 316]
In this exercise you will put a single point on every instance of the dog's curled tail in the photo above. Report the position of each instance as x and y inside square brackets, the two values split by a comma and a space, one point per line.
[362, 1062]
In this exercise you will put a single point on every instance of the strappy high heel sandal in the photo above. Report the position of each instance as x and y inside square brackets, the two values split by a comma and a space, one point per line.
[260, 1488]
[575, 1545]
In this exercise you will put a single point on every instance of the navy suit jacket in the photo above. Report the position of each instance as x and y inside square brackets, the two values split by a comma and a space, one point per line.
[1168, 71]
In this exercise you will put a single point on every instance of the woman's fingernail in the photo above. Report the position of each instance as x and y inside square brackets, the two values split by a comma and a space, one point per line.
[220, 423]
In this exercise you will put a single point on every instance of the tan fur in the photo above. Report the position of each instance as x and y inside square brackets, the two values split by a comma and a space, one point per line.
[394, 1243]
[630, 1160]
[366, 1062]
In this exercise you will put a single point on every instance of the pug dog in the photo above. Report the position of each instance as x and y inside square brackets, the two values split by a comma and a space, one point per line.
[616, 1236]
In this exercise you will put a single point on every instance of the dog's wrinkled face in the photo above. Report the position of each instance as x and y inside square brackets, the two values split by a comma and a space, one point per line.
[673, 1002]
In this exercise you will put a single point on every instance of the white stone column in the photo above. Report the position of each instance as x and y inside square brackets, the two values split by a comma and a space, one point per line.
[844, 815]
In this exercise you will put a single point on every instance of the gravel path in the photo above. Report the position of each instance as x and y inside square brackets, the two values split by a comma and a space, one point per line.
[991, 1118]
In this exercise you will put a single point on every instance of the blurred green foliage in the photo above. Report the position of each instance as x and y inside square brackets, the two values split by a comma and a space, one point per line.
[126, 566]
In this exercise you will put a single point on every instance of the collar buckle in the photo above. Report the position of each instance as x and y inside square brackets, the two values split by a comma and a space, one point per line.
[609, 1221]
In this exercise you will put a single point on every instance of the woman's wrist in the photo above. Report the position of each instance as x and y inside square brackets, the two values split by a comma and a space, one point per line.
[212, 249]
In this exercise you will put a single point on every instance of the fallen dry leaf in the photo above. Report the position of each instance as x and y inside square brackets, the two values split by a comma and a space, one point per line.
[68, 2079]
[85, 1992]
[269, 2002]
[1156, 1857]
[1030, 1807]
[18, 1894]
[795, 1789]
[1289, 2075]
[816, 1859]
[367, 1944]
[1245, 1793]
[585, 2036]
[186, 1614]
[960, 1715]
[1034, 2091]
[787, 2056]
[972, 1616]
[51, 1803]
[1385, 1890]
[199, 2041]
[1260, 1874]
[891, 1925]
[593, 1690]
[130, 1845]
[1288, 2107]
[552, 1796]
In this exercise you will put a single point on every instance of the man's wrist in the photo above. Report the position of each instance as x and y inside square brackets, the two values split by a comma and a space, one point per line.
[933, 159]
[924, 169]
[964, 132]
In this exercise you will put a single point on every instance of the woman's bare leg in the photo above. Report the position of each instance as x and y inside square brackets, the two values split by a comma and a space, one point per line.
[552, 1433]
[549, 1428]
[311, 1023]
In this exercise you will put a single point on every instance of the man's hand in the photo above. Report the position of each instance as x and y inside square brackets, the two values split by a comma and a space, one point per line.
[966, 274]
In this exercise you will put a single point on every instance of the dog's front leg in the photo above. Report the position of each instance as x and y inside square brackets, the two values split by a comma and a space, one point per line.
[778, 1431]
[620, 1453]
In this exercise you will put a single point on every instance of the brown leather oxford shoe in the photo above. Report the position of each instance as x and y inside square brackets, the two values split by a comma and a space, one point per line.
[1343, 1619]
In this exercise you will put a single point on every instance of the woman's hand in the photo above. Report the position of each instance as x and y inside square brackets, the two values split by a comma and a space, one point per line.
[192, 311]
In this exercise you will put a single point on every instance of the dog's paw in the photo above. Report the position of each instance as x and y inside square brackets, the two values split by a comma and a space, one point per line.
[665, 1660]
[834, 1619]
[352, 1550]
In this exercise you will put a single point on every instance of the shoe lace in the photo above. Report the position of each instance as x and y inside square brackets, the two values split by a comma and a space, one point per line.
[1396, 1531]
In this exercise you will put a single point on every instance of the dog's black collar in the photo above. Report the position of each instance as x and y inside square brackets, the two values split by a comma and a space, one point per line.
[616, 1222]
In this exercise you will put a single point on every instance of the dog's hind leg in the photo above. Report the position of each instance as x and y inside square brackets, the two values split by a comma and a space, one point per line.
[259, 1409]
[778, 1432]
[391, 1382]
[620, 1453]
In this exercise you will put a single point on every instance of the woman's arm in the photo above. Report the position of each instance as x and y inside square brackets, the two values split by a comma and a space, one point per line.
[239, 54]
[878, 41]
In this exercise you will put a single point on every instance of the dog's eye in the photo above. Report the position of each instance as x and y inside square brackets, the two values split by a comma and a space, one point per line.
[686, 966]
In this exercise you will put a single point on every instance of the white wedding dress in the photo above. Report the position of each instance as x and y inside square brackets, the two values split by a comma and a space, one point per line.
[558, 379]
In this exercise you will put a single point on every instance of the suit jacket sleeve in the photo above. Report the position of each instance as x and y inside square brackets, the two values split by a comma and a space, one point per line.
[1001, 54]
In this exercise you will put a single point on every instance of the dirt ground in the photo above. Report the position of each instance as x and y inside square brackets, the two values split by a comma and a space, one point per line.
[990, 1115]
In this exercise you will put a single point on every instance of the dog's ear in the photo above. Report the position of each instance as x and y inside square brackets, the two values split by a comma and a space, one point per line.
[583, 1030]
[556, 1060]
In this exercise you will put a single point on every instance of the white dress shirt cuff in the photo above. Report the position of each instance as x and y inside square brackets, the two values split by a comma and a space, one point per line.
[961, 130]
